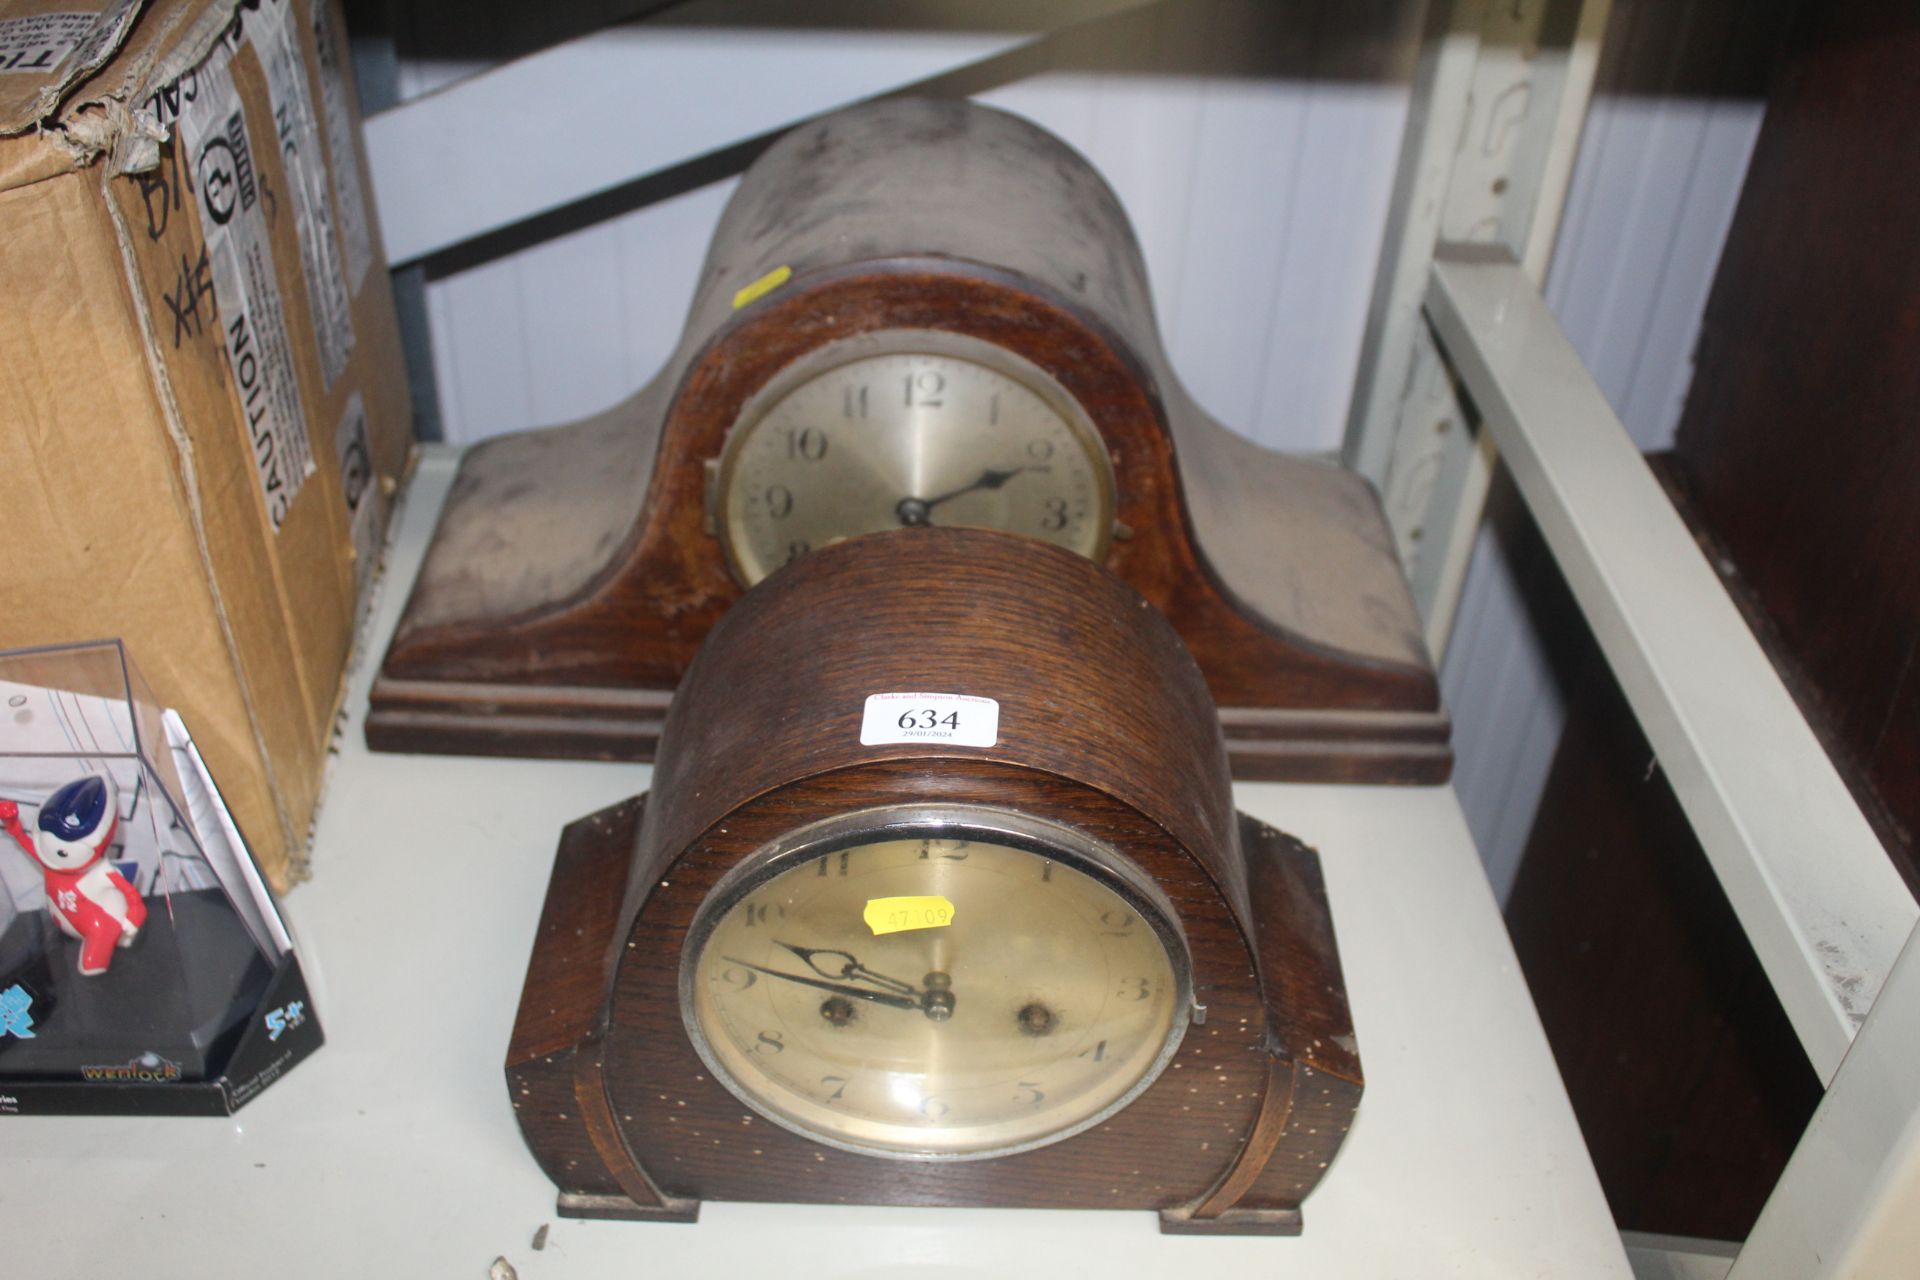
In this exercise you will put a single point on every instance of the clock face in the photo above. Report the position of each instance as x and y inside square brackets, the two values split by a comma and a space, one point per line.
[926, 984]
[905, 428]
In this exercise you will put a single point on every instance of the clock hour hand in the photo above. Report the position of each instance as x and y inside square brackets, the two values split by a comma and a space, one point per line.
[848, 968]
[838, 988]
[918, 511]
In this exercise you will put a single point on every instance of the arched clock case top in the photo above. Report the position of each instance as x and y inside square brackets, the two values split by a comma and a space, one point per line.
[1106, 765]
[576, 570]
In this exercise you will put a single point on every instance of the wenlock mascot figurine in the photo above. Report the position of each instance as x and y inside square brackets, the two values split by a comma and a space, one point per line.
[92, 901]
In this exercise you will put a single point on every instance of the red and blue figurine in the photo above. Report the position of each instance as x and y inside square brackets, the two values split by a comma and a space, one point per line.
[89, 897]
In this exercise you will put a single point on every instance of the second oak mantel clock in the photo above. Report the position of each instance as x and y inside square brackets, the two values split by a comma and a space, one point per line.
[939, 898]
[913, 313]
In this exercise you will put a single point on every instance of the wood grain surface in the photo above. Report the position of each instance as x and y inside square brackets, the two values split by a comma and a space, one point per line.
[1798, 450]
[1105, 725]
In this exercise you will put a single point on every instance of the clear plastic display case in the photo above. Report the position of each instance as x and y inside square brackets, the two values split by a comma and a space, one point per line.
[144, 965]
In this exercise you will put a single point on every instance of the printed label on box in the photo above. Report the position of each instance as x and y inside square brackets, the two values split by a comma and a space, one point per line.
[37, 44]
[109, 29]
[954, 718]
[360, 488]
[213, 129]
[356, 229]
[305, 164]
[61, 48]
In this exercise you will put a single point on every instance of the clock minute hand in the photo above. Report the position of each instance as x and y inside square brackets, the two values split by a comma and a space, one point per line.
[916, 511]
[850, 968]
[838, 988]
[989, 479]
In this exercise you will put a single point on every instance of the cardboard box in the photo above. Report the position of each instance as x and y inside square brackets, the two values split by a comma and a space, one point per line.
[205, 404]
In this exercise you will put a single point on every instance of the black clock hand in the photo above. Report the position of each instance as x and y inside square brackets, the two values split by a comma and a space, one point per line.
[838, 988]
[916, 511]
[989, 479]
[849, 968]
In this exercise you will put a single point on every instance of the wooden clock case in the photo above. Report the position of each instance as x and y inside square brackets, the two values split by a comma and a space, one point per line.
[1105, 725]
[575, 572]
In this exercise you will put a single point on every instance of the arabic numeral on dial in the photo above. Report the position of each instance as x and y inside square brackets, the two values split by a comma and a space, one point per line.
[779, 501]
[1056, 517]
[830, 860]
[738, 978]
[934, 1109]
[1094, 1053]
[796, 549]
[853, 402]
[1040, 450]
[840, 1083]
[1117, 924]
[806, 443]
[926, 389]
[1135, 989]
[768, 1042]
[757, 913]
[1034, 1097]
[954, 851]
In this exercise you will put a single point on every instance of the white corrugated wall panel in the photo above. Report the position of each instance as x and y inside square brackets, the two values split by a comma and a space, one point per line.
[1653, 193]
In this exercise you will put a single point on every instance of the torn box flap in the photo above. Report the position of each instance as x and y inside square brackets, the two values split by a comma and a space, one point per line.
[89, 74]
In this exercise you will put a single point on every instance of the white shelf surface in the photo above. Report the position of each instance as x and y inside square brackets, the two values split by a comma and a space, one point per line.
[393, 1151]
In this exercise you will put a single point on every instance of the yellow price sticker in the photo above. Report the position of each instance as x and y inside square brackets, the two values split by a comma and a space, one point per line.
[760, 288]
[897, 915]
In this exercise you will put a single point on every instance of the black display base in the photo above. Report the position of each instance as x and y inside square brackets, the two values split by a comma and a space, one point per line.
[170, 1004]
[177, 1025]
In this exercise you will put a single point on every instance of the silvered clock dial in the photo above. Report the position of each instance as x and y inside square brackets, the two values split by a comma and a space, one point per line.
[1019, 984]
[908, 428]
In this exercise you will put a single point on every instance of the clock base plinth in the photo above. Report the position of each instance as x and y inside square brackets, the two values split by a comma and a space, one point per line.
[1234, 1222]
[579, 722]
[1308, 744]
[573, 1204]
[525, 721]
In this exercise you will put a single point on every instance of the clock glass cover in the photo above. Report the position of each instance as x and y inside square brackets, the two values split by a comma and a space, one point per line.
[905, 428]
[1040, 984]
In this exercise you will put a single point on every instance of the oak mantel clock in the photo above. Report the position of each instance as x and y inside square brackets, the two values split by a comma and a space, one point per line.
[913, 313]
[939, 898]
